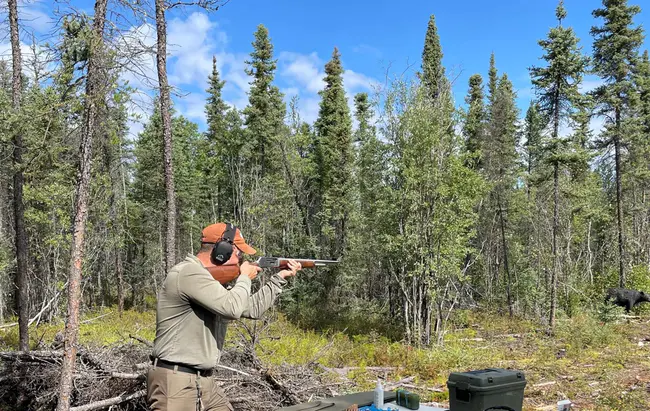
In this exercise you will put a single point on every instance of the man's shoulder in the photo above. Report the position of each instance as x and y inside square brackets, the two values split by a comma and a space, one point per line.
[191, 265]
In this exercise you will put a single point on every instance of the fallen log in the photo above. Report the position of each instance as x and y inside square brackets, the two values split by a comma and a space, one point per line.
[110, 401]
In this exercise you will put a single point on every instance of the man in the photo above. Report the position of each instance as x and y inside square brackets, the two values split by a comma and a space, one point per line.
[192, 315]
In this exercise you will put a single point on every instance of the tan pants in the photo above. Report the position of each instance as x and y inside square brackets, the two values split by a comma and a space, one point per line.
[169, 390]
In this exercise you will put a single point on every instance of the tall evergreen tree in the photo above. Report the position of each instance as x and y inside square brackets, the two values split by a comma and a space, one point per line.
[640, 163]
[534, 126]
[370, 175]
[264, 116]
[334, 156]
[218, 188]
[557, 88]
[501, 167]
[433, 72]
[615, 53]
[493, 81]
[474, 127]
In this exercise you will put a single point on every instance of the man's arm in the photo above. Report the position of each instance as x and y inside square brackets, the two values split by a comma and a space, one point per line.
[264, 298]
[201, 288]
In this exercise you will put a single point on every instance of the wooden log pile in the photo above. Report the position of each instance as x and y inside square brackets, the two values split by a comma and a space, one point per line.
[115, 378]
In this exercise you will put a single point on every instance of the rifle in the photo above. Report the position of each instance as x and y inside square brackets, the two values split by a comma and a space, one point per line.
[228, 272]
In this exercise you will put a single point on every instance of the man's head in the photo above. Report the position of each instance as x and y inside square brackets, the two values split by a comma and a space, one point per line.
[215, 232]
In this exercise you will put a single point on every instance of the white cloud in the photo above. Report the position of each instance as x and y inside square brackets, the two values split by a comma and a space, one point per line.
[357, 81]
[303, 69]
[305, 72]
[191, 44]
[193, 106]
[309, 108]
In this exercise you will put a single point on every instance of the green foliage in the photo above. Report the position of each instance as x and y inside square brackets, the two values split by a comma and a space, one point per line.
[433, 72]
[586, 332]
[334, 158]
[265, 113]
[436, 192]
[474, 127]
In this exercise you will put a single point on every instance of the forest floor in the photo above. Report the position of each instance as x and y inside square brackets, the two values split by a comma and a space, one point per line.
[598, 366]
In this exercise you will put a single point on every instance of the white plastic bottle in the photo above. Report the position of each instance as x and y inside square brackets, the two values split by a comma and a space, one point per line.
[379, 396]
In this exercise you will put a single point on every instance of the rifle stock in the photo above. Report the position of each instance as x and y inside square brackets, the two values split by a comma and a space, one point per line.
[226, 273]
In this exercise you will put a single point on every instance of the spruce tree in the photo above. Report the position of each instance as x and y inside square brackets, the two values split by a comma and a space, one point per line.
[493, 80]
[615, 54]
[534, 125]
[433, 72]
[557, 88]
[216, 108]
[334, 156]
[265, 187]
[474, 127]
[370, 162]
[212, 159]
[500, 170]
[264, 116]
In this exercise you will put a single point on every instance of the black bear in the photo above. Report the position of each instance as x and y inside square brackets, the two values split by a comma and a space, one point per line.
[626, 298]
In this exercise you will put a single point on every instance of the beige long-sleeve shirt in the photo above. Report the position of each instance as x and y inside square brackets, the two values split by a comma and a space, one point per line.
[194, 310]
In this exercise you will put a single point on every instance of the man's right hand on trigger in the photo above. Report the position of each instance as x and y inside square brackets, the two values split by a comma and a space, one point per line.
[249, 270]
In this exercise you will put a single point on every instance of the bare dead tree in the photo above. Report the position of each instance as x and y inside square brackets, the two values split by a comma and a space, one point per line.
[163, 84]
[19, 208]
[93, 98]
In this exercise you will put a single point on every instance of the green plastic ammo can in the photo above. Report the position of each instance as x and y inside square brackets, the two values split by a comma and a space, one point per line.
[489, 389]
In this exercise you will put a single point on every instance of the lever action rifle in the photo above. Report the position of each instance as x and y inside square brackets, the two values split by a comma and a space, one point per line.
[228, 272]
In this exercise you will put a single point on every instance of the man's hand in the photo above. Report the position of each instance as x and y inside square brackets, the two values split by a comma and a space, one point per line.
[249, 270]
[294, 267]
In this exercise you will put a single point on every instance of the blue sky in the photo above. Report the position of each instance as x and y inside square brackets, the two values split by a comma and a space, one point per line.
[371, 36]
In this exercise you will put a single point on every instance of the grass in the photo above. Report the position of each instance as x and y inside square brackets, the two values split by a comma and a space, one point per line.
[598, 365]
[98, 327]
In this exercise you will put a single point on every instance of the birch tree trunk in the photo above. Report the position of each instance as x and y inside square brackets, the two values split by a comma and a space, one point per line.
[94, 97]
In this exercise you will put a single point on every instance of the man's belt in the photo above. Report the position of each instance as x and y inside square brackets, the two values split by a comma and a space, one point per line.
[179, 367]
